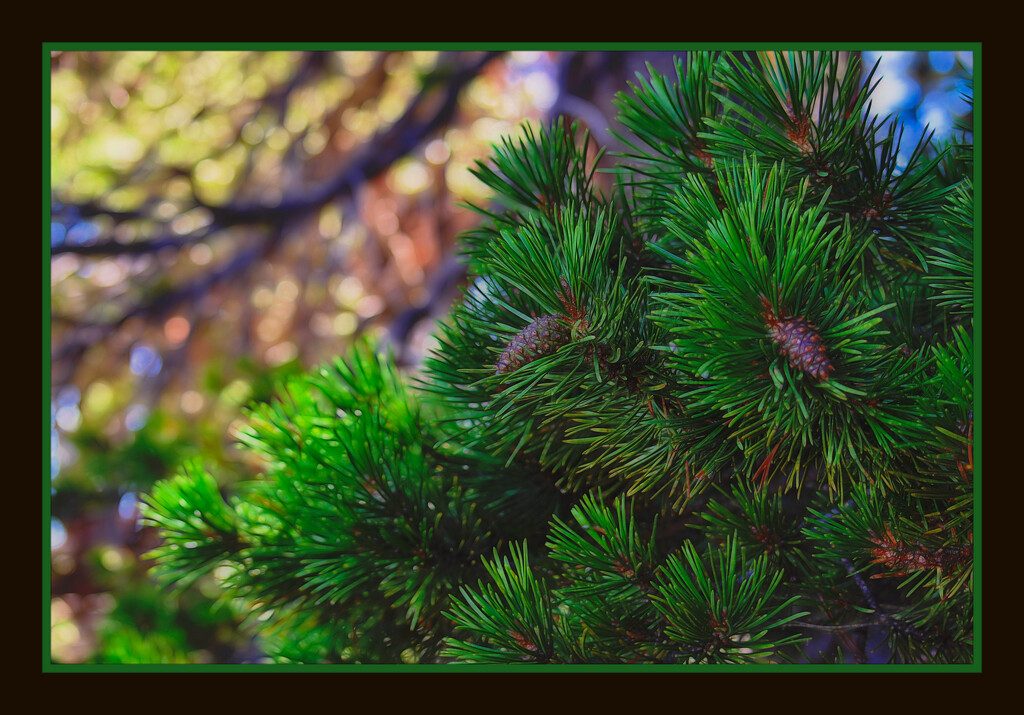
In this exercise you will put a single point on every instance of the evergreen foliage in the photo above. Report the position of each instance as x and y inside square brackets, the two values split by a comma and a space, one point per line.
[724, 415]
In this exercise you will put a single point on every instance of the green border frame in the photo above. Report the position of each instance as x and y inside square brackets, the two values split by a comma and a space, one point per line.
[975, 667]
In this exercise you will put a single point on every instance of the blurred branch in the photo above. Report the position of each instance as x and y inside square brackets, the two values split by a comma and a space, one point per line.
[111, 247]
[403, 136]
[424, 115]
[157, 305]
[577, 78]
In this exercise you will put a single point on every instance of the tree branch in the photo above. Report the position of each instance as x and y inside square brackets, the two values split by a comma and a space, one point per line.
[408, 132]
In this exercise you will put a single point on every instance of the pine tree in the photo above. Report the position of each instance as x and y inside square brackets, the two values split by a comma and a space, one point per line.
[722, 415]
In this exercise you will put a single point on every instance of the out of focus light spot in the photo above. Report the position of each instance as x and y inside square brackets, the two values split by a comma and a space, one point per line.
[409, 177]
[390, 107]
[127, 506]
[525, 57]
[57, 233]
[180, 113]
[210, 129]
[112, 559]
[58, 120]
[252, 132]
[489, 129]
[201, 254]
[122, 150]
[369, 306]
[58, 534]
[255, 86]
[314, 142]
[269, 328]
[192, 402]
[64, 634]
[69, 418]
[87, 183]
[145, 361]
[296, 120]
[541, 89]
[345, 323]
[481, 94]
[935, 116]
[894, 90]
[190, 221]
[125, 233]
[211, 589]
[126, 198]
[63, 563]
[262, 298]
[99, 398]
[236, 393]
[437, 152]
[82, 233]
[176, 329]
[348, 292]
[108, 273]
[118, 97]
[165, 210]
[357, 63]
[281, 353]
[942, 62]
[88, 112]
[287, 291]
[154, 95]
[330, 221]
[359, 121]
[386, 222]
[463, 184]
[278, 139]
[339, 87]
[455, 139]
[135, 417]
[212, 171]
[424, 59]
[63, 266]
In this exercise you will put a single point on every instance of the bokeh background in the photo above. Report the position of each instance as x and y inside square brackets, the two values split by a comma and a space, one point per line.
[223, 219]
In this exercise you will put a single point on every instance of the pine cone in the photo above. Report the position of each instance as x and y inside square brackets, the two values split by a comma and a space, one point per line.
[541, 337]
[799, 341]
